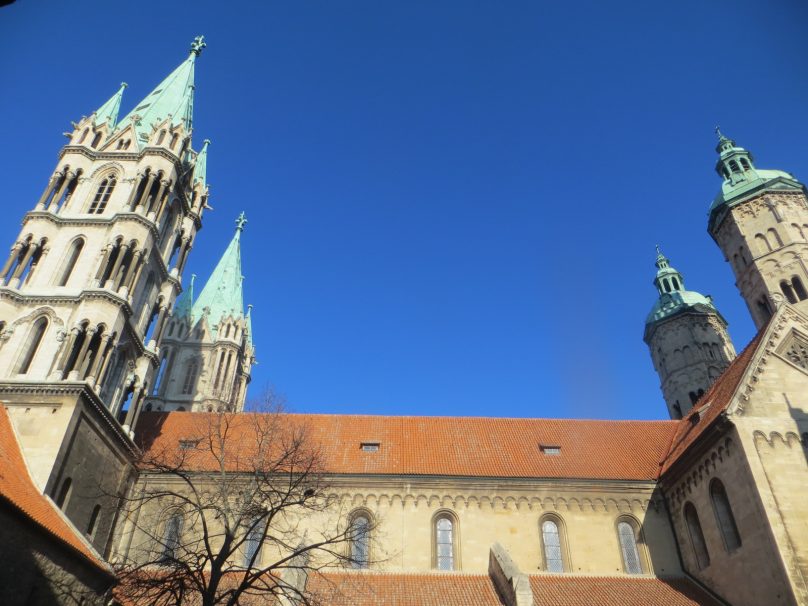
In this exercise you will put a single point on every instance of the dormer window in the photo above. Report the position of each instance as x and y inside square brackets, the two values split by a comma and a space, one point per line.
[549, 450]
[189, 444]
[369, 446]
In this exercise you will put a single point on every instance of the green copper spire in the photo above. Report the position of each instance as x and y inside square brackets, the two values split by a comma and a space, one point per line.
[673, 298]
[222, 295]
[184, 303]
[741, 179]
[109, 111]
[201, 166]
[173, 97]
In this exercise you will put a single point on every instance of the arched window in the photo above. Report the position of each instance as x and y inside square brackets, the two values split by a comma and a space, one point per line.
[552, 544]
[744, 164]
[359, 536]
[96, 140]
[102, 194]
[171, 537]
[764, 307]
[774, 237]
[675, 283]
[70, 262]
[161, 137]
[799, 289]
[788, 291]
[252, 543]
[445, 541]
[190, 376]
[733, 166]
[799, 231]
[83, 135]
[666, 285]
[724, 517]
[696, 536]
[93, 524]
[34, 341]
[63, 497]
[628, 532]
[762, 243]
[174, 138]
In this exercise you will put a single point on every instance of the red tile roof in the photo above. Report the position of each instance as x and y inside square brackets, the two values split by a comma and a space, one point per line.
[18, 489]
[459, 589]
[711, 404]
[447, 446]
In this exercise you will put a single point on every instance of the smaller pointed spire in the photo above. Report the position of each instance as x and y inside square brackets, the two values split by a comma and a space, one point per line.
[185, 302]
[223, 293]
[241, 221]
[201, 165]
[109, 111]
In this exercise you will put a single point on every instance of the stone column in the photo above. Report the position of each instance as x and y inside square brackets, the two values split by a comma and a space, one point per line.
[185, 248]
[32, 248]
[146, 191]
[107, 250]
[65, 354]
[85, 345]
[157, 204]
[136, 276]
[65, 182]
[130, 203]
[130, 271]
[139, 406]
[100, 354]
[137, 394]
[15, 252]
[122, 250]
[158, 327]
[54, 180]
[105, 364]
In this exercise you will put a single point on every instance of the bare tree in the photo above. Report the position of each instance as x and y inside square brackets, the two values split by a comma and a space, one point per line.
[235, 510]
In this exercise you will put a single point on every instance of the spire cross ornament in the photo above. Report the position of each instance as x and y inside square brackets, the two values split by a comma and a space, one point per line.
[241, 222]
[197, 45]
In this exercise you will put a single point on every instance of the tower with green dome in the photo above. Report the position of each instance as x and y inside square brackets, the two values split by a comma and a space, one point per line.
[688, 340]
[759, 219]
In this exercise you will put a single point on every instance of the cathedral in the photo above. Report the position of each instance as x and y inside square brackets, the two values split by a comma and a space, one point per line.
[111, 359]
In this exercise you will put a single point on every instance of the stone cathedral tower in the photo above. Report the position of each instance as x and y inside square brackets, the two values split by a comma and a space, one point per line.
[760, 222]
[88, 288]
[207, 350]
[688, 339]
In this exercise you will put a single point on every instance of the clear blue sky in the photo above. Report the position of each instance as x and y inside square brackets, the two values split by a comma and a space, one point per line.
[453, 206]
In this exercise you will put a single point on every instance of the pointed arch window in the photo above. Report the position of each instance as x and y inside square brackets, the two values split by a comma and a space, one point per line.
[96, 140]
[191, 372]
[723, 515]
[70, 263]
[102, 194]
[697, 541]
[628, 533]
[35, 337]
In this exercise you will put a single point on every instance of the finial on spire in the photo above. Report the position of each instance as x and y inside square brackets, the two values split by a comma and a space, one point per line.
[241, 222]
[124, 85]
[658, 252]
[718, 132]
[197, 45]
[193, 277]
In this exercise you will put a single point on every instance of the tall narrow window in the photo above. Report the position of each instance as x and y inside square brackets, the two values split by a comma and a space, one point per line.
[696, 536]
[774, 237]
[63, 497]
[252, 543]
[788, 291]
[190, 376]
[34, 341]
[723, 514]
[551, 546]
[70, 263]
[762, 244]
[360, 541]
[171, 537]
[799, 289]
[96, 140]
[99, 203]
[445, 542]
[161, 371]
[91, 526]
[627, 535]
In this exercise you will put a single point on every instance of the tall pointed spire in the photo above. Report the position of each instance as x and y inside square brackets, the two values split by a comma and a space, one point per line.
[201, 166]
[173, 97]
[184, 303]
[109, 111]
[223, 294]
